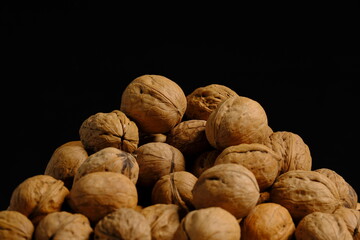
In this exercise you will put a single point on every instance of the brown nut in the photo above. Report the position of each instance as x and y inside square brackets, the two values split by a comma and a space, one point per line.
[204, 161]
[38, 196]
[154, 102]
[352, 220]
[113, 129]
[15, 226]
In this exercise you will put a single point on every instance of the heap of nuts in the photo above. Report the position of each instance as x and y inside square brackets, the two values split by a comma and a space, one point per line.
[169, 166]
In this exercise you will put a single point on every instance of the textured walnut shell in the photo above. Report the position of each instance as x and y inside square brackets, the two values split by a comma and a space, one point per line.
[303, 192]
[204, 100]
[15, 226]
[352, 220]
[358, 206]
[99, 193]
[174, 188]
[157, 159]
[322, 226]
[154, 102]
[164, 219]
[151, 137]
[63, 225]
[230, 186]
[213, 223]
[38, 196]
[123, 223]
[65, 161]
[347, 194]
[204, 161]
[189, 137]
[258, 158]
[267, 221]
[237, 120]
[110, 159]
[294, 151]
[113, 129]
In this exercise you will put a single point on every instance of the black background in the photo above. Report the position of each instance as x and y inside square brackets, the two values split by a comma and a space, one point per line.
[64, 62]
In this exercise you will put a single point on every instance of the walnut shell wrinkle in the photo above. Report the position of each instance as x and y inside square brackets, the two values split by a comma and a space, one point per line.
[15, 226]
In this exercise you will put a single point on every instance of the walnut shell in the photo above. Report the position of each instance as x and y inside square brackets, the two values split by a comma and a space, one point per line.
[294, 151]
[204, 161]
[237, 120]
[154, 102]
[204, 100]
[38, 196]
[347, 194]
[157, 159]
[63, 225]
[303, 192]
[123, 223]
[99, 193]
[189, 137]
[213, 223]
[113, 129]
[174, 188]
[258, 158]
[15, 226]
[352, 220]
[164, 219]
[230, 186]
[268, 221]
[65, 161]
[110, 159]
[322, 226]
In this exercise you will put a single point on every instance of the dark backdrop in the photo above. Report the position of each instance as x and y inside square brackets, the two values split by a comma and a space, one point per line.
[67, 62]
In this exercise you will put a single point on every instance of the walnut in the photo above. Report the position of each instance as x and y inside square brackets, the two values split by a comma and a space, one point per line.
[113, 129]
[154, 102]
[268, 221]
[358, 206]
[303, 192]
[352, 220]
[99, 193]
[123, 223]
[230, 186]
[320, 225]
[110, 159]
[204, 161]
[212, 223]
[347, 194]
[65, 161]
[151, 137]
[63, 225]
[164, 219]
[38, 196]
[157, 159]
[258, 158]
[15, 226]
[237, 120]
[204, 100]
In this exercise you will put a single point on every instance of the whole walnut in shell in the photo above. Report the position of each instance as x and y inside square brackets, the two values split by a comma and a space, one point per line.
[237, 120]
[230, 186]
[154, 102]
[268, 221]
[322, 226]
[204, 161]
[123, 223]
[99, 193]
[63, 225]
[65, 161]
[258, 158]
[303, 192]
[38, 196]
[110, 159]
[113, 129]
[15, 226]
[352, 220]
[213, 223]
[204, 100]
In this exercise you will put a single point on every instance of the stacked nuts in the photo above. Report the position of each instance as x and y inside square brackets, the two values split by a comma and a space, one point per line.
[169, 166]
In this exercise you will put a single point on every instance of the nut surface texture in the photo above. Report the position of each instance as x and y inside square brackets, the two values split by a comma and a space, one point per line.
[15, 226]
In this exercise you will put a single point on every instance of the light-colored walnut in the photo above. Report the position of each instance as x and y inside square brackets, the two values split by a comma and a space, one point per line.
[38, 196]
[204, 161]
[113, 129]
[237, 120]
[230, 186]
[63, 225]
[110, 159]
[154, 102]
[15, 226]
[352, 220]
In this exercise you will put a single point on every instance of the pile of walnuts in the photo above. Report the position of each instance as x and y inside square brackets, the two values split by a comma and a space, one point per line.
[169, 166]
